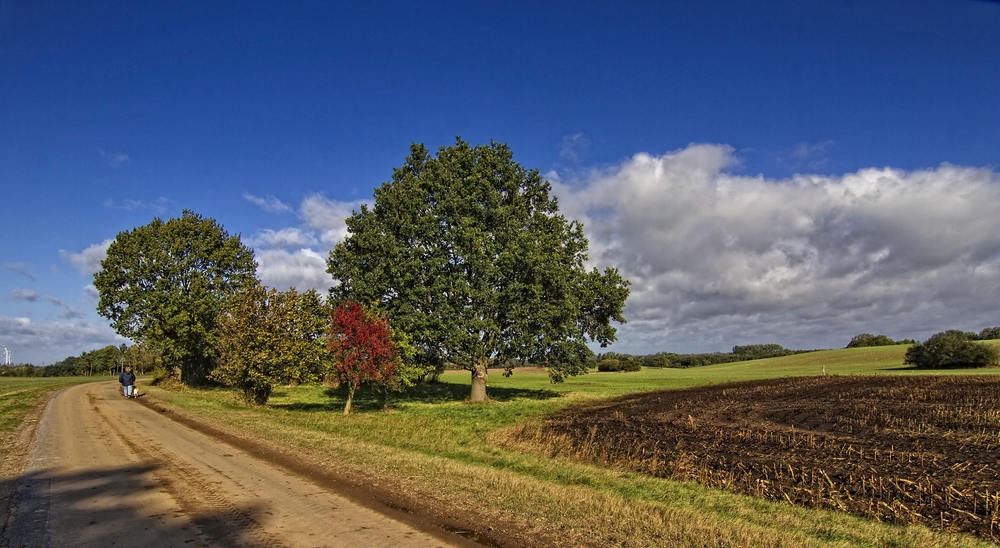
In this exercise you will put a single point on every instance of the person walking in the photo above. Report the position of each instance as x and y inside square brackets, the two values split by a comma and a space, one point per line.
[127, 380]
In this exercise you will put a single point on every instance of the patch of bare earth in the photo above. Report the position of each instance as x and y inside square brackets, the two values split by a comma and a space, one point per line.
[901, 449]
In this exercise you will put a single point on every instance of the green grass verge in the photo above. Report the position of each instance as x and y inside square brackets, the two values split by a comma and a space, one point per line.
[19, 395]
[437, 446]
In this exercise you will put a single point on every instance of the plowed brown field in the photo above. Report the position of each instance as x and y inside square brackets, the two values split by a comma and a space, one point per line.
[903, 449]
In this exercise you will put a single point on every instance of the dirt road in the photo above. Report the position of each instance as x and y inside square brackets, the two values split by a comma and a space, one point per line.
[106, 471]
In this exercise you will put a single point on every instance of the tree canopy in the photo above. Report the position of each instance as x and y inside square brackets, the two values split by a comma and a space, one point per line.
[269, 337]
[469, 255]
[867, 339]
[989, 333]
[950, 349]
[165, 283]
[363, 349]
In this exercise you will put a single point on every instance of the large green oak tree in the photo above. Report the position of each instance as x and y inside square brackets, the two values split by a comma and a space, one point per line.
[165, 283]
[467, 252]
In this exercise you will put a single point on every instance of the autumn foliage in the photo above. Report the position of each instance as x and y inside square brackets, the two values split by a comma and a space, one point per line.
[362, 346]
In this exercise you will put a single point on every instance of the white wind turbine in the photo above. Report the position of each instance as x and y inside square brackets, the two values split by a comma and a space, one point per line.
[6, 355]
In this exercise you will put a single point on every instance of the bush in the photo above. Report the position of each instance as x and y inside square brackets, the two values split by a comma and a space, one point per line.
[950, 349]
[867, 339]
[609, 365]
[613, 364]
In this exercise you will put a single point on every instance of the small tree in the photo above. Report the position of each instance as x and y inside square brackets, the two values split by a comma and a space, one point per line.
[363, 349]
[950, 350]
[266, 337]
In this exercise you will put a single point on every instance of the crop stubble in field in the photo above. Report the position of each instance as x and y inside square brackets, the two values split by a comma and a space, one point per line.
[903, 449]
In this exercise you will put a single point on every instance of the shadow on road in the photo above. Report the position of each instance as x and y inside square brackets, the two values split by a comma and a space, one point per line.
[108, 507]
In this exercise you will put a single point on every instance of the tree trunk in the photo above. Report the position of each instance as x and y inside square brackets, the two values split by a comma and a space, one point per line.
[479, 374]
[385, 398]
[350, 398]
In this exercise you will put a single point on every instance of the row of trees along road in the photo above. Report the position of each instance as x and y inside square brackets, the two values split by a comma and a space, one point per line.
[466, 253]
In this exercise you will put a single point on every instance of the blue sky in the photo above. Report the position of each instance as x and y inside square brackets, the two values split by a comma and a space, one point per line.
[790, 172]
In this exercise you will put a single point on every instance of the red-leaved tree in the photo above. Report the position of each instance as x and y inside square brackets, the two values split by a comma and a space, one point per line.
[362, 347]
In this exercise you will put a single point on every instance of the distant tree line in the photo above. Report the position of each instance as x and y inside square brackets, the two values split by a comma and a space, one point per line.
[951, 349]
[104, 361]
[867, 339]
[613, 361]
[988, 334]
[21, 370]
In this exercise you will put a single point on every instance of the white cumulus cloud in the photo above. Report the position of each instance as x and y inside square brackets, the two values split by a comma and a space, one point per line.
[328, 217]
[296, 256]
[114, 159]
[269, 203]
[284, 238]
[31, 342]
[88, 261]
[302, 269]
[718, 259]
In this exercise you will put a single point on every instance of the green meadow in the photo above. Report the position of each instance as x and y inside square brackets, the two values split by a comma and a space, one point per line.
[437, 450]
[20, 395]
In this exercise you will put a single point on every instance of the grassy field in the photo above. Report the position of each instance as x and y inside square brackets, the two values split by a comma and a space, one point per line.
[440, 451]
